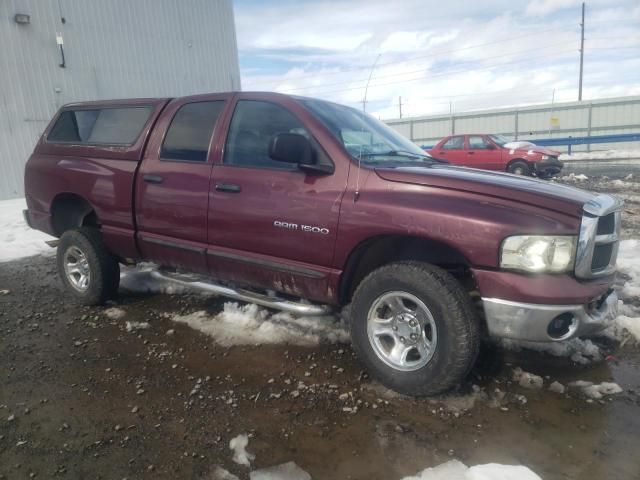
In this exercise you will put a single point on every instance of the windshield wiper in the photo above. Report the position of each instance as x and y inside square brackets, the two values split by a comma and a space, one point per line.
[397, 153]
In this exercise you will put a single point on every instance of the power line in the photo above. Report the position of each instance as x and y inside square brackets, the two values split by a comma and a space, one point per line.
[446, 73]
[422, 69]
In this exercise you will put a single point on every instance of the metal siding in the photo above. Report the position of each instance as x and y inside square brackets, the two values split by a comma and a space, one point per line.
[608, 116]
[113, 49]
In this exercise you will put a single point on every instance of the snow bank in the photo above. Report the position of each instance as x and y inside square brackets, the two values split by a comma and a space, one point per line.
[251, 325]
[597, 155]
[456, 470]
[17, 240]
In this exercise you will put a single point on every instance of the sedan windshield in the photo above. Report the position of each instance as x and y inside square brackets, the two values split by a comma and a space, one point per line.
[499, 139]
[365, 138]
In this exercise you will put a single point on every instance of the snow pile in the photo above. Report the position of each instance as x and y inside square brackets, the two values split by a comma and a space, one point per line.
[135, 326]
[602, 154]
[251, 325]
[114, 313]
[239, 447]
[627, 324]
[579, 350]
[456, 470]
[17, 240]
[527, 380]
[285, 471]
[220, 473]
[572, 177]
[629, 266]
[596, 391]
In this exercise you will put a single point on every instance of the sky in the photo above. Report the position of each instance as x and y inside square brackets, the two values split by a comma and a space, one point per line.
[437, 55]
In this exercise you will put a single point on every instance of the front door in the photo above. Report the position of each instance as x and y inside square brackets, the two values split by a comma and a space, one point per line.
[172, 186]
[453, 150]
[271, 225]
[483, 153]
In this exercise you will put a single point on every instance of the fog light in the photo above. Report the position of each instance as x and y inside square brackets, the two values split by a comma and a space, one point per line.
[563, 326]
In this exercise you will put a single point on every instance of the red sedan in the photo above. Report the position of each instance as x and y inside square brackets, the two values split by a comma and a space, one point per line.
[495, 152]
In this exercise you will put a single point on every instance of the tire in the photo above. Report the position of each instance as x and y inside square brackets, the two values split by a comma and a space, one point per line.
[450, 323]
[88, 271]
[519, 167]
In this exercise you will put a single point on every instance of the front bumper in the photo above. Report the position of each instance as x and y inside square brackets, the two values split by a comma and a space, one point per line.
[533, 322]
[548, 168]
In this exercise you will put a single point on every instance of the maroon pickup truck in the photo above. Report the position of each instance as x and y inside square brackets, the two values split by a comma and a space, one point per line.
[304, 205]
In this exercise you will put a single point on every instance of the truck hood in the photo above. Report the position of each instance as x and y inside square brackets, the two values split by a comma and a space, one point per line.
[539, 193]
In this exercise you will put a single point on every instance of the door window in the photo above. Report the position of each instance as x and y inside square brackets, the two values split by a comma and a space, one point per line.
[253, 126]
[478, 143]
[454, 143]
[189, 135]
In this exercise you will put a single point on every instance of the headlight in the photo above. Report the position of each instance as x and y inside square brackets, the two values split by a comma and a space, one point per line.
[545, 157]
[538, 253]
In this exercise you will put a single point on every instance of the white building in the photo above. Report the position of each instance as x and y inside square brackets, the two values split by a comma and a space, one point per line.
[60, 51]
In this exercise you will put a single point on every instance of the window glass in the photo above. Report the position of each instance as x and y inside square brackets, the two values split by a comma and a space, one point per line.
[478, 143]
[189, 134]
[365, 138]
[103, 126]
[253, 126]
[454, 143]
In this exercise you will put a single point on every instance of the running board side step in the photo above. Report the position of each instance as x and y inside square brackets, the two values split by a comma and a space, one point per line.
[243, 295]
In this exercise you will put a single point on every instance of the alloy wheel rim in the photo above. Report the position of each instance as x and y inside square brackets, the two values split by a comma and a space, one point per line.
[402, 331]
[76, 268]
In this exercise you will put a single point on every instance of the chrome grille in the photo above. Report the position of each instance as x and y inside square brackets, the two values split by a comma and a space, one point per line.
[599, 237]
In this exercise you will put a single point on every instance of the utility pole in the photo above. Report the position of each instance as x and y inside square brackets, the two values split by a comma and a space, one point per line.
[373, 67]
[400, 106]
[581, 54]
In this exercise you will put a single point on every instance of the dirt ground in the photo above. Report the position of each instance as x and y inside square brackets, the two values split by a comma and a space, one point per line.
[83, 398]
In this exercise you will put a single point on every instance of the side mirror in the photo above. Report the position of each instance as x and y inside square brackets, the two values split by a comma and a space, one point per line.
[491, 146]
[291, 148]
[295, 148]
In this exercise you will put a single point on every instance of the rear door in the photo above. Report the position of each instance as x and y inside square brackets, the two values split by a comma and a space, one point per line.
[482, 153]
[172, 185]
[272, 225]
[453, 150]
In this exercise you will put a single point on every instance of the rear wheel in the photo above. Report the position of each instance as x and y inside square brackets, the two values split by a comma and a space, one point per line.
[88, 270]
[413, 327]
[519, 167]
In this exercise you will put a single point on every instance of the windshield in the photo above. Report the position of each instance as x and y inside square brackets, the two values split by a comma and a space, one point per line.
[364, 137]
[500, 139]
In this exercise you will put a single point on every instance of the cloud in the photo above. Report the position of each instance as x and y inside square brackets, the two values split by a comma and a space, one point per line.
[436, 55]
[545, 7]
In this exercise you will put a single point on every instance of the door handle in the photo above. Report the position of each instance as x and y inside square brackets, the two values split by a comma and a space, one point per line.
[152, 178]
[228, 187]
[470, 153]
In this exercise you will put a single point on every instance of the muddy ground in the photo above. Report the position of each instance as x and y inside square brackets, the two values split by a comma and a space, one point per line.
[83, 398]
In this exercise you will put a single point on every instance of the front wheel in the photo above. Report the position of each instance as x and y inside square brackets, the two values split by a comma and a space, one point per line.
[414, 328]
[88, 270]
[519, 167]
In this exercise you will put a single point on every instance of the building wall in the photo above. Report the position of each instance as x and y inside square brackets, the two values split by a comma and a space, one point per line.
[113, 49]
[574, 119]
